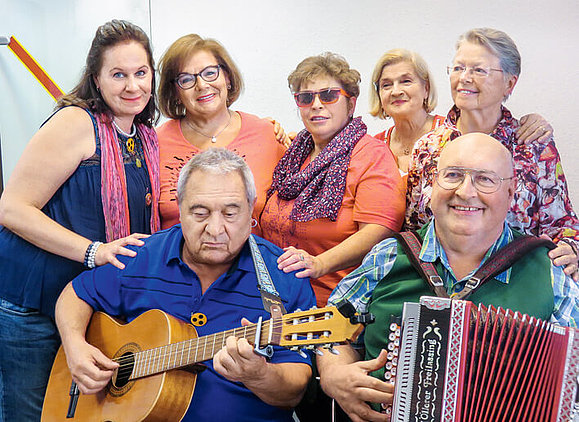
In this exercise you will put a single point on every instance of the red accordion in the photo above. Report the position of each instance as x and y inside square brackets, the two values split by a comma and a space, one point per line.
[460, 362]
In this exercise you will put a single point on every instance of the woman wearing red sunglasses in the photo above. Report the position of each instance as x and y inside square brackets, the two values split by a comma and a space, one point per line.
[336, 192]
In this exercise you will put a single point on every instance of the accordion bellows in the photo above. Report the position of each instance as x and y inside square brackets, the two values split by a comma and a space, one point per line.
[460, 362]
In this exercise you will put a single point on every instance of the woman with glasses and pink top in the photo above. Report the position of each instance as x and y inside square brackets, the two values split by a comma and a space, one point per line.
[483, 75]
[336, 192]
[199, 82]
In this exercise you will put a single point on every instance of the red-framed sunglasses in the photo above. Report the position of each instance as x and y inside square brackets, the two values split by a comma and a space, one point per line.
[326, 96]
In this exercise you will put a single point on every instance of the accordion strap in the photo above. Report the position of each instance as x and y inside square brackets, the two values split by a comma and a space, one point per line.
[411, 243]
[498, 262]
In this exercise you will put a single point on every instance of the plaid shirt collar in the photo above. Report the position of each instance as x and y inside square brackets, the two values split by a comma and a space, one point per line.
[432, 250]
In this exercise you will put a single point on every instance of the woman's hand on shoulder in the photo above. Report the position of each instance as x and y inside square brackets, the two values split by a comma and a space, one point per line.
[534, 127]
[107, 252]
[283, 138]
[565, 255]
[294, 259]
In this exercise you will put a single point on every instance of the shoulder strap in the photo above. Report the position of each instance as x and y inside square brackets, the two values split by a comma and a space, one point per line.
[502, 260]
[269, 294]
[411, 243]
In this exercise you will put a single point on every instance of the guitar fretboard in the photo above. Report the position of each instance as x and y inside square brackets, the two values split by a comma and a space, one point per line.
[188, 352]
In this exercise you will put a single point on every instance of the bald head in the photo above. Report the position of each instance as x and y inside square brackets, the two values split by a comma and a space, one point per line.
[477, 150]
[470, 210]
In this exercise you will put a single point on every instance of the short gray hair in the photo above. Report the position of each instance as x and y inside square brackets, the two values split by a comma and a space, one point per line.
[499, 43]
[218, 161]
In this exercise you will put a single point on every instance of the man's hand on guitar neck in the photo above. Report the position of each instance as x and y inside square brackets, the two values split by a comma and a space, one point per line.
[278, 384]
[346, 379]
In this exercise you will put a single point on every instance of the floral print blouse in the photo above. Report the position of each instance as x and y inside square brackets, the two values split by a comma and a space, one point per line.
[541, 203]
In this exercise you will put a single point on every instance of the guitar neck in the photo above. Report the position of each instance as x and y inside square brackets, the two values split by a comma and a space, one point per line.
[196, 350]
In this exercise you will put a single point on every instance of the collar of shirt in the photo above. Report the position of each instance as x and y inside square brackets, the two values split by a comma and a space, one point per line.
[243, 262]
[505, 130]
[432, 250]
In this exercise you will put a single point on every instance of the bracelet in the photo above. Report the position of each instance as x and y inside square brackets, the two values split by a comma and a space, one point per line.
[90, 254]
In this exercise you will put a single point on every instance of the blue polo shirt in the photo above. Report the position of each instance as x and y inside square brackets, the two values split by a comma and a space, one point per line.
[158, 278]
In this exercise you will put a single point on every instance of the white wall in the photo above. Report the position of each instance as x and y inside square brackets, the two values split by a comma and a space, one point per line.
[269, 38]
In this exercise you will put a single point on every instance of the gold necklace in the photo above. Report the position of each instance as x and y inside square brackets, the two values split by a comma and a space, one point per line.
[214, 137]
[405, 149]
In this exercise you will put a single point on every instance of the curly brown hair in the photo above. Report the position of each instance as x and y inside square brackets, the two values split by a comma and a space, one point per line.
[326, 64]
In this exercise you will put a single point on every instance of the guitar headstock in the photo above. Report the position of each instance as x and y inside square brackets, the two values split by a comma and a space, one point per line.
[319, 326]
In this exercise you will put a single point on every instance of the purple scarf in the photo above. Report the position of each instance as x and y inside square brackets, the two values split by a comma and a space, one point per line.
[319, 188]
[113, 180]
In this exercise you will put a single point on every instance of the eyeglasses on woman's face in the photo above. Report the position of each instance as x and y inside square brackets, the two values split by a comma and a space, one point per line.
[326, 96]
[479, 72]
[189, 80]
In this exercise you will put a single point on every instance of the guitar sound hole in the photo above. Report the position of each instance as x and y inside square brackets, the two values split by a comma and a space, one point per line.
[123, 375]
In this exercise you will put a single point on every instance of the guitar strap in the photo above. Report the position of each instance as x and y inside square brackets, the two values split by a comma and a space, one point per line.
[498, 262]
[269, 294]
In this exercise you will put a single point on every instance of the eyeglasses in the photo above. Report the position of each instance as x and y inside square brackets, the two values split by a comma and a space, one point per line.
[189, 80]
[484, 181]
[477, 71]
[326, 96]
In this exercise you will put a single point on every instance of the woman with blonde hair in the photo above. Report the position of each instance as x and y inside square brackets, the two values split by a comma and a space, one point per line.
[403, 89]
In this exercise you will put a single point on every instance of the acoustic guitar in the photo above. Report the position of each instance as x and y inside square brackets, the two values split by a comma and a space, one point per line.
[157, 354]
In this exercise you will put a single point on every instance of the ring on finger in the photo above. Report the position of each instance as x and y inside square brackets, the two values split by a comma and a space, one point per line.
[302, 257]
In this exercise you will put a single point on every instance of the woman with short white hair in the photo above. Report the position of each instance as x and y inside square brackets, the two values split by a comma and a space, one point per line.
[483, 74]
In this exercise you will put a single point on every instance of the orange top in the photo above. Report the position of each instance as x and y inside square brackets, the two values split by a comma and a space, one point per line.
[255, 142]
[373, 194]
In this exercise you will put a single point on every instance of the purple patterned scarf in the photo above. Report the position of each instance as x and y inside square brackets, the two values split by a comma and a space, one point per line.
[113, 180]
[319, 188]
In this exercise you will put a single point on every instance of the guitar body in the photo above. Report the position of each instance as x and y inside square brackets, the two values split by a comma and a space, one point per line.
[162, 397]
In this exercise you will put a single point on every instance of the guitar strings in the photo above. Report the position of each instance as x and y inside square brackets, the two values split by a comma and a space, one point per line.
[128, 362]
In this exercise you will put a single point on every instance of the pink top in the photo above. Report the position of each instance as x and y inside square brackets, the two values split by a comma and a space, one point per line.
[256, 143]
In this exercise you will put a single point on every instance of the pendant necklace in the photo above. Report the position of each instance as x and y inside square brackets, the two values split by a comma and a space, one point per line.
[130, 142]
[214, 137]
[406, 150]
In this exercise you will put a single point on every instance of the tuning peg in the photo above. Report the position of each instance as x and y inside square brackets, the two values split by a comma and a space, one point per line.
[333, 351]
[299, 350]
[314, 307]
[318, 352]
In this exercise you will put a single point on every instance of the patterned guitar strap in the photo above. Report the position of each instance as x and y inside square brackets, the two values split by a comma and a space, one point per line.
[269, 295]
[498, 262]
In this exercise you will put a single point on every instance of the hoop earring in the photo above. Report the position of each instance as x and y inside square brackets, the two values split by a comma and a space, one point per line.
[253, 223]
